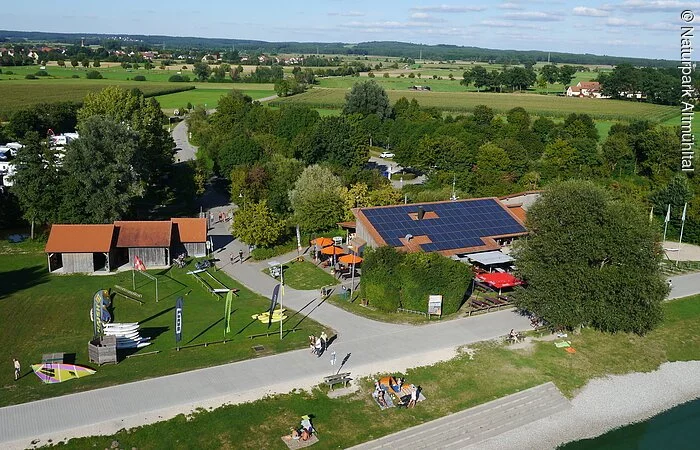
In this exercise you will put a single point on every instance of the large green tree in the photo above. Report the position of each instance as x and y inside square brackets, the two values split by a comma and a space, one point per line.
[256, 224]
[591, 260]
[36, 181]
[101, 179]
[154, 158]
[316, 199]
[368, 97]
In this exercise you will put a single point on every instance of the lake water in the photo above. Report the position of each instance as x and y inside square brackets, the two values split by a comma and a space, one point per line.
[677, 429]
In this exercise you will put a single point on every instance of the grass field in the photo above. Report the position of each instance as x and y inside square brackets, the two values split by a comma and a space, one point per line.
[16, 92]
[305, 275]
[44, 313]
[535, 104]
[22, 93]
[208, 97]
[450, 386]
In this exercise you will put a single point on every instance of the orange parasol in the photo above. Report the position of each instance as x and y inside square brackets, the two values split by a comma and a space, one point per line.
[322, 241]
[332, 250]
[350, 259]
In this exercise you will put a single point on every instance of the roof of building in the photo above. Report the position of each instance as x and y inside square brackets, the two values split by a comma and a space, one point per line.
[449, 227]
[489, 258]
[144, 233]
[80, 239]
[191, 229]
[589, 85]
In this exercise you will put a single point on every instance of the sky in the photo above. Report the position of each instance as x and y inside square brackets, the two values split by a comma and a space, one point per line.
[637, 28]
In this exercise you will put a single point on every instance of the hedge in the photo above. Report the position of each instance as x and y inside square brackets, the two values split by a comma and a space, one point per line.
[391, 280]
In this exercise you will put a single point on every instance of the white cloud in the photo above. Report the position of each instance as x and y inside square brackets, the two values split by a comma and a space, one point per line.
[510, 5]
[658, 5]
[420, 15]
[619, 22]
[589, 12]
[448, 9]
[347, 14]
[661, 26]
[533, 16]
[510, 25]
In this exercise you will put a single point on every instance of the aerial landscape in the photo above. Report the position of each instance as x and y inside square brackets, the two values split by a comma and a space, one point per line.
[364, 225]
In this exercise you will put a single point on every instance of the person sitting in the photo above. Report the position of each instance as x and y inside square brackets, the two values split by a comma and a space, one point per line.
[400, 383]
[381, 400]
[294, 433]
[305, 435]
[312, 343]
[307, 428]
[414, 397]
[513, 335]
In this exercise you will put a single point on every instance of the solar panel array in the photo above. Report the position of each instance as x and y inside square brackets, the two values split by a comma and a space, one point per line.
[459, 224]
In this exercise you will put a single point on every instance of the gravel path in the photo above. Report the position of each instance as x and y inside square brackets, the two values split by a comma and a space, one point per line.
[607, 403]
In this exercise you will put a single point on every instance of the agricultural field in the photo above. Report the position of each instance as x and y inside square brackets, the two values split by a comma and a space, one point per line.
[541, 105]
[209, 95]
[19, 94]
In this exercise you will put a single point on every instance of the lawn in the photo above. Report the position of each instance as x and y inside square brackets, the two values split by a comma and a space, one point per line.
[369, 312]
[451, 386]
[544, 105]
[305, 275]
[43, 313]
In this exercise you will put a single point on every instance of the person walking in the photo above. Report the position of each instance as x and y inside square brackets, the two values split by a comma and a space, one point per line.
[18, 368]
[231, 258]
[240, 255]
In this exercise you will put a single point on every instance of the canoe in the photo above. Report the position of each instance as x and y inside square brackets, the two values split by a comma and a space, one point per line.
[59, 372]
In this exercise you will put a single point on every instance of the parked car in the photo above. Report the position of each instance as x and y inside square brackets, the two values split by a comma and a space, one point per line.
[386, 155]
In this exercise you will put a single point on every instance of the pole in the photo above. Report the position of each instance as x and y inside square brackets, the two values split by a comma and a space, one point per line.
[352, 282]
[680, 239]
[667, 219]
[133, 279]
[281, 295]
[156, 290]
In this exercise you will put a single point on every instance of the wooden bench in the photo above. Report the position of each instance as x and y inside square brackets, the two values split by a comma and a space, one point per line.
[337, 379]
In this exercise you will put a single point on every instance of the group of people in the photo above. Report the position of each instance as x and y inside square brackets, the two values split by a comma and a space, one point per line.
[319, 344]
[513, 335]
[305, 430]
[380, 392]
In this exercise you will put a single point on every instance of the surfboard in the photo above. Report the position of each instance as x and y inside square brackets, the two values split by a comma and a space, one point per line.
[59, 372]
[132, 344]
[121, 325]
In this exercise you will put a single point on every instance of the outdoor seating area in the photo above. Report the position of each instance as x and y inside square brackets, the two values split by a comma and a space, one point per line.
[391, 392]
[485, 298]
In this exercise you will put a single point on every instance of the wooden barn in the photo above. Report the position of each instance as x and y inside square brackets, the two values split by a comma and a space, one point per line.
[80, 248]
[189, 235]
[149, 240]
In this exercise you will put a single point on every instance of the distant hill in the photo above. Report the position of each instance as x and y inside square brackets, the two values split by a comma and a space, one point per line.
[383, 48]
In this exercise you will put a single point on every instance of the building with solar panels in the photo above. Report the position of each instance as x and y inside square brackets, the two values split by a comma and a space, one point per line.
[459, 227]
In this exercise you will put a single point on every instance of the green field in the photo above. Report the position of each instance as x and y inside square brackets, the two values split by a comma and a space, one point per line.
[542, 105]
[17, 95]
[305, 275]
[494, 371]
[206, 96]
[17, 92]
[43, 313]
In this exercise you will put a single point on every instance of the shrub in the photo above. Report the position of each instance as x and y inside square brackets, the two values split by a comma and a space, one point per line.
[75, 75]
[41, 73]
[93, 75]
[9, 72]
[391, 280]
[30, 76]
[139, 78]
[179, 78]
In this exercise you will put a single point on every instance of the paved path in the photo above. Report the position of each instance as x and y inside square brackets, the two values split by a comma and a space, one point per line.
[685, 285]
[466, 429]
[386, 164]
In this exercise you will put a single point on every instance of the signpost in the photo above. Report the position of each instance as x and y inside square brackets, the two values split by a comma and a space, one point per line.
[434, 305]
[178, 321]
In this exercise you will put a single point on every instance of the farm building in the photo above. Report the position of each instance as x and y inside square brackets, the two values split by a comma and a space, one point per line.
[149, 240]
[80, 248]
[190, 235]
[449, 228]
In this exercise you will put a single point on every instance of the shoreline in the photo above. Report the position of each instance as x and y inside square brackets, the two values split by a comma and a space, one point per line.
[605, 404]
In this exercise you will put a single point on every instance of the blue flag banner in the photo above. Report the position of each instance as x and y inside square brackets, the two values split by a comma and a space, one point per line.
[273, 303]
[178, 319]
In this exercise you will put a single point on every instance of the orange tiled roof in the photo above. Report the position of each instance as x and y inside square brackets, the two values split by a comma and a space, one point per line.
[191, 229]
[143, 233]
[80, 239]
[519, 212]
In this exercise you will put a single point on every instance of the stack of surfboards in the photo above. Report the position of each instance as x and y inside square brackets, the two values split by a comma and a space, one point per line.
[127, 335]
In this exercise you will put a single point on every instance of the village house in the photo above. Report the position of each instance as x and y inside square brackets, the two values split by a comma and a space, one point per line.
[589, 89]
